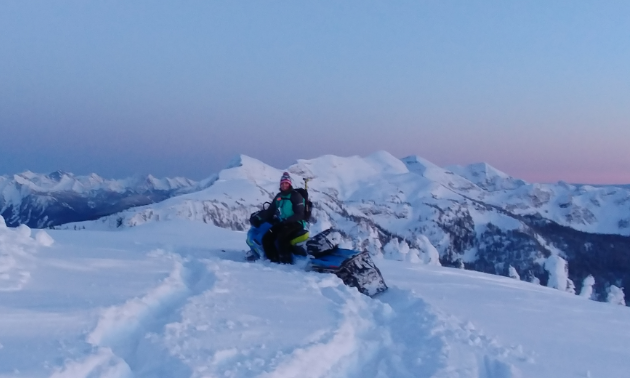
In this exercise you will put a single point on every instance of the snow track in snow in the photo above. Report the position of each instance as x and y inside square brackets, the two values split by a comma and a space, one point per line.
[217, 317]
[123, 339]
[239, 328]
[258, 320]
[398, 335]
[423, 342]
[337, 352]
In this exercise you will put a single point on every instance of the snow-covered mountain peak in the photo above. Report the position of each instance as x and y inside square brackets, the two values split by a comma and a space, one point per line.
[485, 169]
[355, 167]
[57, 175]
[385, 162]
[248, 168]
[63, 181]
[342, 176]
[152, 182]
[432, 172]
[487, 177]
[27, 174]
[42, 200]
[143, 183]
[238, 161]
[418, 164]
[55, 181]
[566, 186]
[345, 175]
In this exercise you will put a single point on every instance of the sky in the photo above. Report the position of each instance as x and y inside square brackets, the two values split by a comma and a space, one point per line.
[537, 89]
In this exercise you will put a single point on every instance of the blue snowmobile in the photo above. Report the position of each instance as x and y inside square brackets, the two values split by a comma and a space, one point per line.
[322, 254]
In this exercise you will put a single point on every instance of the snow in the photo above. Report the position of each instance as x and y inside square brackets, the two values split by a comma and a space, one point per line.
[17, 255]
[616, 296]
[14, 189]
[429, 255]
[439, 175]
[43, 238]
[385, 162]
[558, 272]
[587, 287]
[175, 299]
[546, 332]
[487, 177]
[396, 250]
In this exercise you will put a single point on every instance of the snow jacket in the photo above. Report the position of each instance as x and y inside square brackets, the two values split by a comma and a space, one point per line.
[287, 206]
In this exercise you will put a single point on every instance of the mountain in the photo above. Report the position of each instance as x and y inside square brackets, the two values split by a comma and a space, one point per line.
[487, 177]
[44, 200]
[475, 217]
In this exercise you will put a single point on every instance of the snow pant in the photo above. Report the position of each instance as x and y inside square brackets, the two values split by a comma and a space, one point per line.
[277, 241]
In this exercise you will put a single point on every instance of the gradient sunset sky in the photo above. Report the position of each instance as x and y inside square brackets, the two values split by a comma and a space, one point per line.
[538, 89]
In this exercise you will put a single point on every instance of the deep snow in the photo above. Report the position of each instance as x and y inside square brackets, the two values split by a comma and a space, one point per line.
[175, 299]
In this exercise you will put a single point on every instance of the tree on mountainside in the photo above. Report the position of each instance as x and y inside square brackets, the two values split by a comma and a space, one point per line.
[616, 295]
[558, 269]
[587, 287]
[428, 253]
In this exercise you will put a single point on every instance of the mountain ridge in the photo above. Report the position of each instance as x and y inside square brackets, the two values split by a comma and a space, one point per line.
[403, 209]
[389, 206]
[45, 200]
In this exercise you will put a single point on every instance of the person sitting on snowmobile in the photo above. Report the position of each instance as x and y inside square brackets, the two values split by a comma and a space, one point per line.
[286, 213]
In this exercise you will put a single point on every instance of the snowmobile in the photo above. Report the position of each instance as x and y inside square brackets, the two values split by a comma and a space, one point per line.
[322, 254]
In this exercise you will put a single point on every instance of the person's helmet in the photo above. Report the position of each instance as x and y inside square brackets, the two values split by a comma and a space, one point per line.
[286, 178]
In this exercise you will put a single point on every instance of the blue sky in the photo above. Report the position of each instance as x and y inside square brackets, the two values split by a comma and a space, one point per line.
[538, 89]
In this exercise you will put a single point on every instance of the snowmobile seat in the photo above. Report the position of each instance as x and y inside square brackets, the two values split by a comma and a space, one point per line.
[300, 237]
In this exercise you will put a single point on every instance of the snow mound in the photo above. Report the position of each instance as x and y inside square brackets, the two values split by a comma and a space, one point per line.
[43, 238]
[17, 248]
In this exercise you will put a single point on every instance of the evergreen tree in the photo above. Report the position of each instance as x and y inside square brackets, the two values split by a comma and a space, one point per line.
[587, 287]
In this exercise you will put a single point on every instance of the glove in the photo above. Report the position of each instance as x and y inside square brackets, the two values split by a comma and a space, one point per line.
[277, 219]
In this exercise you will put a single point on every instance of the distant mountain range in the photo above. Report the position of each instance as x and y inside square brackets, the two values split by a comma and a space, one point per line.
[475, 216]
[44, 200]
